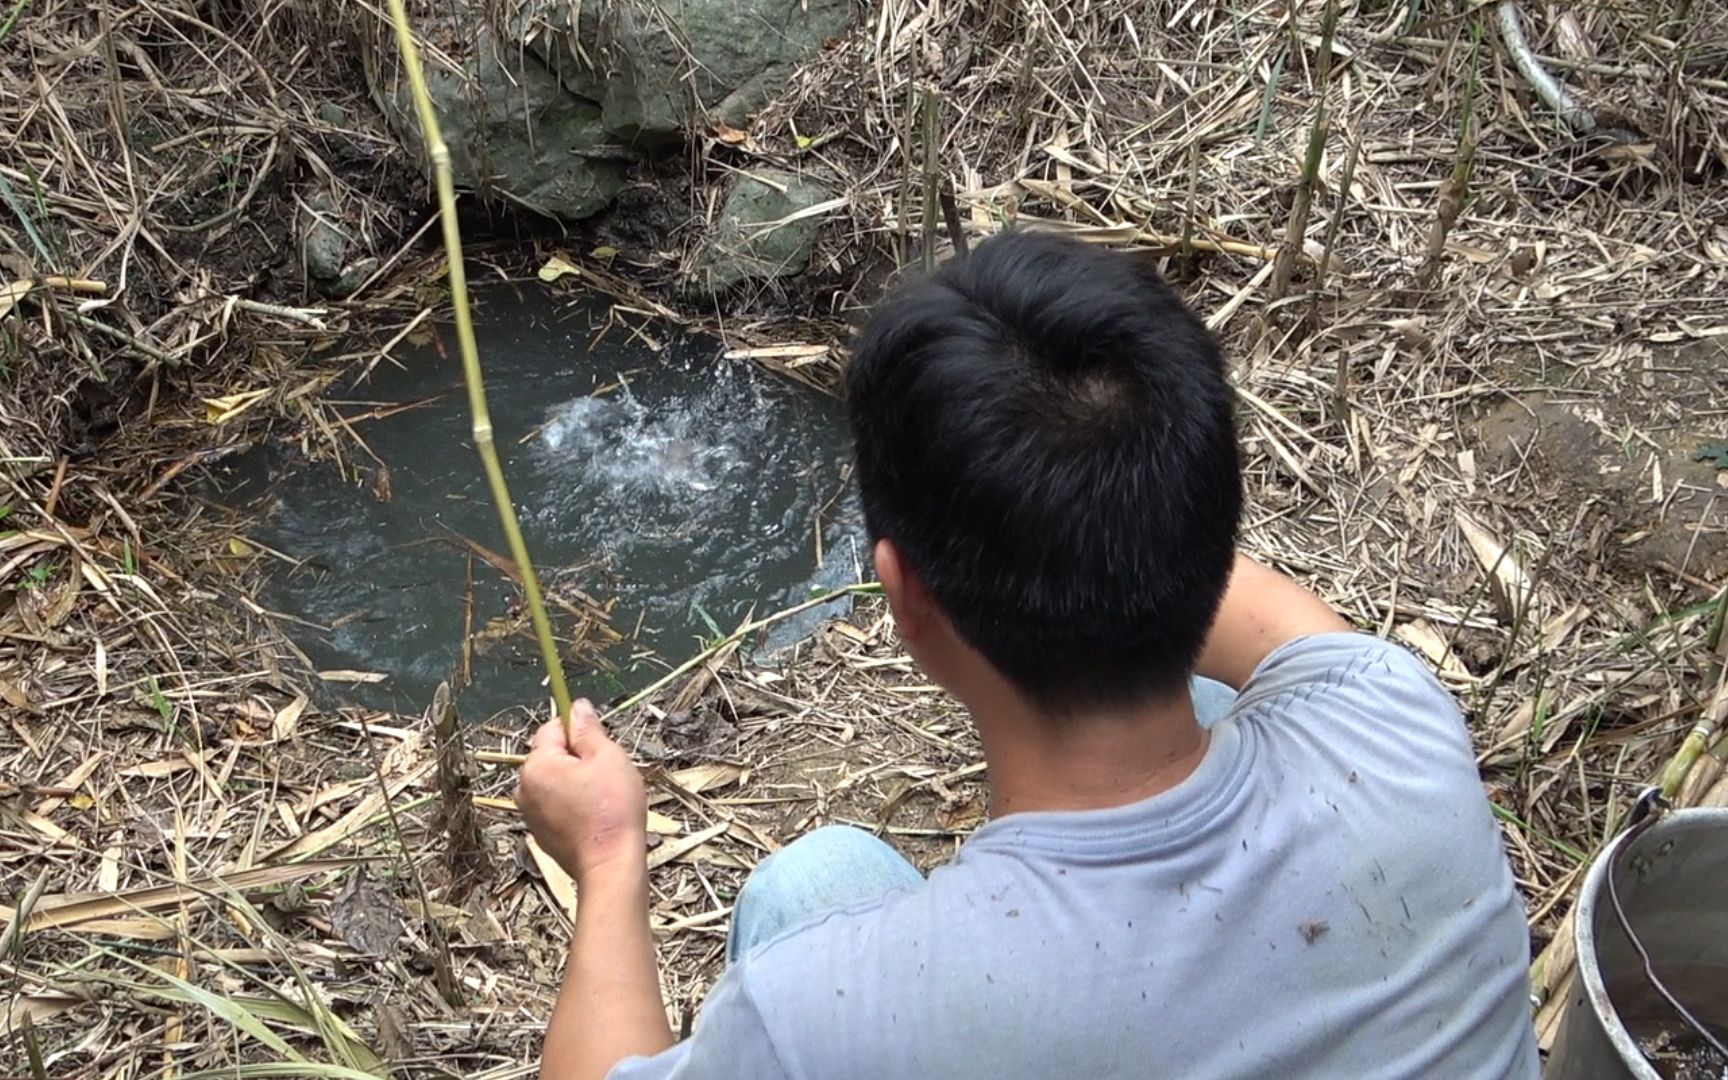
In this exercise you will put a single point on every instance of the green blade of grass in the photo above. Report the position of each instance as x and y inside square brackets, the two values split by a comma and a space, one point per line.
[12, 19]
[10, 195]
[226, 1008]
[1268, 98]
[1558, 845]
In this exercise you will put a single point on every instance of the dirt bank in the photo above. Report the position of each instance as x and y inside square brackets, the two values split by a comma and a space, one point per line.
[190, 843]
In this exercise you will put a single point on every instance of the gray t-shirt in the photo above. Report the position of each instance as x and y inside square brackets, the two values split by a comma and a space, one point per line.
[1326, 896]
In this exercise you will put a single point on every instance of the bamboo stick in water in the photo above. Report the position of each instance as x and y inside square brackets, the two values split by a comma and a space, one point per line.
[439, 154]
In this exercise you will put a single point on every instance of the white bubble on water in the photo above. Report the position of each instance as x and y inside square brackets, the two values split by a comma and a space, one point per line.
[624, 446]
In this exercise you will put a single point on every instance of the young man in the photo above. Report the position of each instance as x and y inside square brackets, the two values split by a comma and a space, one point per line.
[1298, 879]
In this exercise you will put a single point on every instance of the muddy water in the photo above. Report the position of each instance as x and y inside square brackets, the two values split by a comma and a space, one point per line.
[1674, 1049]
[678, 489]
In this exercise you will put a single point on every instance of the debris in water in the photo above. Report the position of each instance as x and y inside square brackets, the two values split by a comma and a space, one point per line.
[1682, 1054]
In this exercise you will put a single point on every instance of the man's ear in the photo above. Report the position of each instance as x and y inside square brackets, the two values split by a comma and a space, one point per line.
[914, 610]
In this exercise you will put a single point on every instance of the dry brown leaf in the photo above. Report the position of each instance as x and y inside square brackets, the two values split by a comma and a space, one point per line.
[287, 719]
[351, 822]
[39, 824]
[72, 781]
[1510, 585]
[730, 135]
[35, 1008]
[704, 778]
[367, 915]
[185, 759]
[665, 853]
[1421, 635]
[557, 881]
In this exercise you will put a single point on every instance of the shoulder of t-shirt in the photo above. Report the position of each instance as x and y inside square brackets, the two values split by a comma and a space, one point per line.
[1347, 675]
[1317, 661]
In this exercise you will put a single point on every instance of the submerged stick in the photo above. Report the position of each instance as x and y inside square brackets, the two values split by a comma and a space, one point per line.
[482, 417]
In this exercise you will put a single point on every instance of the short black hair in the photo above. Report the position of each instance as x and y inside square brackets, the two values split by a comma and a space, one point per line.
[1046, 433]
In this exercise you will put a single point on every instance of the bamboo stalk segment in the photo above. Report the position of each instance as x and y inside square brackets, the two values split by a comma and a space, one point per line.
[473, 375]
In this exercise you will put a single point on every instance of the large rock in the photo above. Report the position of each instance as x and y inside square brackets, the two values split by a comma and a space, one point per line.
[758, 234]
[659, 66]
[553, 97]
[513, 129]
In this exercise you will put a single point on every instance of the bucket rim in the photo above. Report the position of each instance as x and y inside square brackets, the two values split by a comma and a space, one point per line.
[1584, 930]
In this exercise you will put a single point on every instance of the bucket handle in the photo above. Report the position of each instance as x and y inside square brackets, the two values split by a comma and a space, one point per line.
[1650, 807]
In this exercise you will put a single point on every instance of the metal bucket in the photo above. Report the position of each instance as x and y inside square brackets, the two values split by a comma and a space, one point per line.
[1672, 881]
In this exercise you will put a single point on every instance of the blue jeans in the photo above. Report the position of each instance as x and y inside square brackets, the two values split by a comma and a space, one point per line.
[838, 866]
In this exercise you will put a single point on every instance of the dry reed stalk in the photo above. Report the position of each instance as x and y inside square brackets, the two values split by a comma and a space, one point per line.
[1296, 231]
[1454, 192]
[1341, 370]
[1186, 251]
[439, 154]
[929, 112]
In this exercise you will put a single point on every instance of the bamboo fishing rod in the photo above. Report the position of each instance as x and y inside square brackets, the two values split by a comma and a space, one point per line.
[439, 154]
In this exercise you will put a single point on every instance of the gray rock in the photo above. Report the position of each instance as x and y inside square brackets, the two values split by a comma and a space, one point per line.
[514, 131]
[355, 276]
[550, 93]
[334, 262]
[323, 240]
[752, 239]
[332, 114]
[659, 66]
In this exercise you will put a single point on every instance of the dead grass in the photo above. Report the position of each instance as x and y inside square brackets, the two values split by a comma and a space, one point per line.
[1480, 251]
[177, 799]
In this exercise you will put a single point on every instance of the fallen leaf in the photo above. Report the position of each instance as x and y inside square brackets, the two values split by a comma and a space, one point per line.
[35, 1008]
[557, 267]
[367, 916]
[562, 888]
[728, 134]
[1511, 586]
[220, 410]
[1421, 635]
[78, 909]
[700, 778]
[11, 293]
[665, 853]
[287, 719]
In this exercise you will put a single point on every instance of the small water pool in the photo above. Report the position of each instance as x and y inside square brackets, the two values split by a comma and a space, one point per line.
[656, 482]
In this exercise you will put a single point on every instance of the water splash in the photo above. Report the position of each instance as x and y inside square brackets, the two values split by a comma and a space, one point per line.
[690, 490]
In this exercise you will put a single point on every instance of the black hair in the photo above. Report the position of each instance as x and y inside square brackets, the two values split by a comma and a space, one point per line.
[1045, 432]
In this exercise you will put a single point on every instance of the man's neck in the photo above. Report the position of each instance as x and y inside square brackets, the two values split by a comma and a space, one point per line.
[1093, 762]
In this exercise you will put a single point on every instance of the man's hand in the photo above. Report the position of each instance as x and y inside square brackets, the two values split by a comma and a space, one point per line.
[583, 798]
[586, 804]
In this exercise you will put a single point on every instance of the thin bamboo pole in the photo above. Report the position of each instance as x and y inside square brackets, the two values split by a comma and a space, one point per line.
[439, 153]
